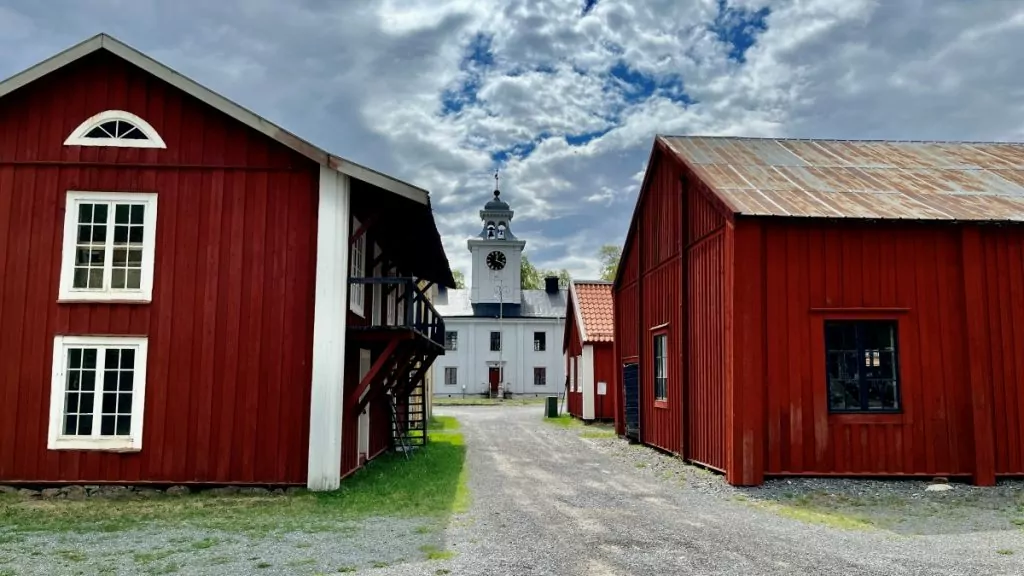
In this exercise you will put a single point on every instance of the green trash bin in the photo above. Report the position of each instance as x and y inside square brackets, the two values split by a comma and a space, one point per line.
[551, 407]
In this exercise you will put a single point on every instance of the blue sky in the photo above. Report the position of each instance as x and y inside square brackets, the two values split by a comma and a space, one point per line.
[565, 97]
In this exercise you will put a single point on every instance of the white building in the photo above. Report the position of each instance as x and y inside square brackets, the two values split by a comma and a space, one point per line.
[499, 338]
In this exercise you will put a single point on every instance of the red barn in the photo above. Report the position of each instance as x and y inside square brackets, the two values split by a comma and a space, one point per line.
[587, 347]
[796, 307]
[265, 325]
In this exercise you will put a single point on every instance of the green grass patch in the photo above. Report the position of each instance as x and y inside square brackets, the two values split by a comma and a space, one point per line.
[204, 543]
[564, 421]
[432, 483]
[1004, 551]
[262, 565]
[346, 569]
[814, 509]
[434, 553]
[598, 433]
[154, 556]
[442, 424]
[72, 555]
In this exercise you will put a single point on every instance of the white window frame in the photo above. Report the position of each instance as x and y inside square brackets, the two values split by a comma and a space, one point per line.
[144, 293]
[455, 371]
[357, 269]
[77, 137]
[132, 443]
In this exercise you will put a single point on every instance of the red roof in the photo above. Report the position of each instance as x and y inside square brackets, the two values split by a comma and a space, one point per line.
[594, 308]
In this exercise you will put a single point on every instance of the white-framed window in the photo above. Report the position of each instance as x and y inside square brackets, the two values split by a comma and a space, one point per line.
[98, 393]
[451, 376]
[377, 293]
[451, 340]
[115, 128]
[357, 269]
[109, 247]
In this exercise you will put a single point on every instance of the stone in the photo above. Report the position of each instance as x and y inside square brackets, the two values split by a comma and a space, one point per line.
[178, 491]
[26, 493]
[938, 488]
[148, 493]
[254, 490]
[223, 491]
[8, 490]
[294, 490]
[75, 493]
[114, 492]
[92, 489]
[278, 491]
[51, 493]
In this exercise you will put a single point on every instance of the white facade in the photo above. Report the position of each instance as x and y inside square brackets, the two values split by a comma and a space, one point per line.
[473, 359]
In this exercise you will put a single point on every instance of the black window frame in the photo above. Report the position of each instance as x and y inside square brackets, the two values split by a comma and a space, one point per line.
[861, 354]
[540, 344]
[455, 371]
[543, 371]
[495, 338]
[451, 343]
[663, 379]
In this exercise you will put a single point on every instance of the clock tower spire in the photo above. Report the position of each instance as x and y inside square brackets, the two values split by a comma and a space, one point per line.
[497, 256]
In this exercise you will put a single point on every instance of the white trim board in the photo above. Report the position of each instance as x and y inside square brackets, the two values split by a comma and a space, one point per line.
[232, 109]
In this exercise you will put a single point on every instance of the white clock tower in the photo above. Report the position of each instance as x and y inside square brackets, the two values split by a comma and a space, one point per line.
[497, 255]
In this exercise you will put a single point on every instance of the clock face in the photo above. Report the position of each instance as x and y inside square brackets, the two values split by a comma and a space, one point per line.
[496, 260]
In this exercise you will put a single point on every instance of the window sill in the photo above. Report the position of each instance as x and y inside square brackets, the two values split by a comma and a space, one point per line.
[104, 298]
[869, 418]
[95, 444]
[661, 404]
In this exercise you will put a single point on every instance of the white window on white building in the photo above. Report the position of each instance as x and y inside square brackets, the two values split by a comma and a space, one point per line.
[97, 396]
[357, 269]
[540, 376]
[109, 247]
[451, 340]
[451, 376]
[115, 128]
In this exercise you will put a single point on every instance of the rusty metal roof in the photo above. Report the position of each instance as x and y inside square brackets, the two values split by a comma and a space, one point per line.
[860, 178]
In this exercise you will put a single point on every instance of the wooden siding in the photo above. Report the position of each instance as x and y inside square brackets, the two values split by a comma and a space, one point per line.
[814, 271]
[1002, 266]
[604, 371]
[230, 325]
[706, 384]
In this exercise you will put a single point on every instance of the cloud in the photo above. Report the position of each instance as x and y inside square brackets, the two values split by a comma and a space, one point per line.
[565, 97]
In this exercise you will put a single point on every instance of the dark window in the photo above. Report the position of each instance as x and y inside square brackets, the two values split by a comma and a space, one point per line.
[540, 341]
[660, 368]
[540, 376]
[451, 340]
[861, 359]
[451, 376]
[495, 341]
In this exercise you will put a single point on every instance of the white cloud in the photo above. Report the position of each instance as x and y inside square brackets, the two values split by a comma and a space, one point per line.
[368, 80]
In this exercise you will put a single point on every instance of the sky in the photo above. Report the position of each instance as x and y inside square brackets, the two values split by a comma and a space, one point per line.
[565, 97]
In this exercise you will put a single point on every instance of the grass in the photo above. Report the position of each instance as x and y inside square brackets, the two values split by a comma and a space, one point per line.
[204, 543]
[564, 421]
[1004, 551]
[598, 433]
[346, 569]
[434, 553]
[432, 483]
[482, 401]
[813, 509]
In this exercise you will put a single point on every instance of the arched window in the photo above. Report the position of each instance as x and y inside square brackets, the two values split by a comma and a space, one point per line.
[490, 229]
[501, 230]
[115, 128]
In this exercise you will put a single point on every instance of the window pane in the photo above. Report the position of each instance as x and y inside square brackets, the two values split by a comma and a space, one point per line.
[85, 213]
[138, 213]
[82, 256]
[85, 425]
[881, 394]
[71, 403]
[134, 134]
[95, 278]
[126, 381]
[86, 404]
[84, 234]
[118, 278]
[70, 425]
[75, 358]
[133, 280]
[128, 358]
[107, 425]
[109, 380]
[74, 380]
[121, 212]
[99, 214]
[89, 358]
[135, 235]
[99, 234]
[110, 128]
[111, 358]
[120, 236]
[96, 132]
[124, 425]
[109, 403]
[88, 380]
[124, 403]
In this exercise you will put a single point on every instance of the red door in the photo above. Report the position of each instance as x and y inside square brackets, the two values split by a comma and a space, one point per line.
[494, 377]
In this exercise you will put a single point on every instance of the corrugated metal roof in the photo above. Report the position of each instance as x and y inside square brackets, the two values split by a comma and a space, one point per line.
[860, 178]
[455, 303]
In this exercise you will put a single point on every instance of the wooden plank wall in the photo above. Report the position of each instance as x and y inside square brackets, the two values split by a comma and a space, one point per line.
[230, 326]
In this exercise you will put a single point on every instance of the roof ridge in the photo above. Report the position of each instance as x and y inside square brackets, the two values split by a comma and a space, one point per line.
[863, 140]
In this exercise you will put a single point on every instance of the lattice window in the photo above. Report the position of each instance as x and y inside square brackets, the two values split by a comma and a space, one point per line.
[451, 340]
[109, 247]
[539, 341]
[861, 360]
[495, 341]
[115, 128]
[98, 393]
[540, 376]
[357, 269]
[451, 376]
[660, 367]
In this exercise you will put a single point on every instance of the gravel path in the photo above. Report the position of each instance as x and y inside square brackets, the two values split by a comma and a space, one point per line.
[546, 501]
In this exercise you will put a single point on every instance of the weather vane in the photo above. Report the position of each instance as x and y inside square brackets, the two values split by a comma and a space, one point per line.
[496, 190]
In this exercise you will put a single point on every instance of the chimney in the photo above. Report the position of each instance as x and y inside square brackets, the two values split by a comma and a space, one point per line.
[551, 284]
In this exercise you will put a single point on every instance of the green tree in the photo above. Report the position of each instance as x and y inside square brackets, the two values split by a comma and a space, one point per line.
[460, 278]
[563, 276]
[609, 255]
[530, 276]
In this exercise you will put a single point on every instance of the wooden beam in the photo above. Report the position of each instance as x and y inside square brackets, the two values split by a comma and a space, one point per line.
[401, 362]
[978, 359]
[362, 229]
[375, 370]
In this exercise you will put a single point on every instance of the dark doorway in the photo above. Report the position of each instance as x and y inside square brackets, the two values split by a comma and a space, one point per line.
[631, 395]
[494, 377]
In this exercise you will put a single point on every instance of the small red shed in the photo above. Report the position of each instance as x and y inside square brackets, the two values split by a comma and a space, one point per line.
[813, 307]
[587, 348]
[267, 325]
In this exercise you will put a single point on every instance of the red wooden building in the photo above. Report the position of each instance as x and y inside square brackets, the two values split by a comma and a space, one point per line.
[254, 330]
[795, 307]
[587, 347]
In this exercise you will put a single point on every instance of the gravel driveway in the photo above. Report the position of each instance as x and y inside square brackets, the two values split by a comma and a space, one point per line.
[546, 501]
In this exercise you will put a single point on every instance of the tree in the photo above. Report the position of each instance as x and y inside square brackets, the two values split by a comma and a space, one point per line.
[530, 276]
[563, 276]
[609, 255]
[460, 278]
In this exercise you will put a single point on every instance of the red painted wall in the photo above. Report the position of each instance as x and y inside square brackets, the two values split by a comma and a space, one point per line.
[604, 371]
[230, 325]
